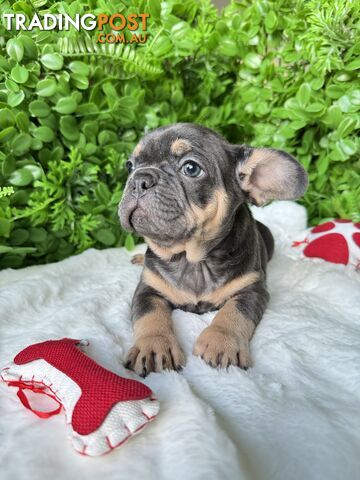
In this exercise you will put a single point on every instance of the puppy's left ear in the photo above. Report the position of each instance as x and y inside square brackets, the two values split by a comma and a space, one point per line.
[268, 174]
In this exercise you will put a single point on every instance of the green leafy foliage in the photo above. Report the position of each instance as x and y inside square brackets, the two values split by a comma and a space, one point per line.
[269, 73]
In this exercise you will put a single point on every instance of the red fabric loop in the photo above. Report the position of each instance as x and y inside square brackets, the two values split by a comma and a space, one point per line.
[25, 401]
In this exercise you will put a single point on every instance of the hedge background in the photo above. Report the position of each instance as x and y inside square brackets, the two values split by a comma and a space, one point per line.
[271, 73]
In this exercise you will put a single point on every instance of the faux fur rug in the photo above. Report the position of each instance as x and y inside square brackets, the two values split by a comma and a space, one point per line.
[294, 415]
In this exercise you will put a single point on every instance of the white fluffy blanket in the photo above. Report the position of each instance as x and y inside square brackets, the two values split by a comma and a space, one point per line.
[294, 415]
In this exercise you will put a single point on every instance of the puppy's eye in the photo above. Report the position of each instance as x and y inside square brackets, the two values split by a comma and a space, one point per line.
[192, 169]
[130, 166]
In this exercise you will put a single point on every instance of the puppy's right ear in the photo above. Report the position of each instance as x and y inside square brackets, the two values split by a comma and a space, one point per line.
[268, 174]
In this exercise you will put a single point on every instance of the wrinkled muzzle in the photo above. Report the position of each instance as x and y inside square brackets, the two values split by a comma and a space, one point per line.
[154, 207]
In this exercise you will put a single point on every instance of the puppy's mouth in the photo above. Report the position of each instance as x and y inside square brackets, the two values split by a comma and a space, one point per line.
[148, 218]
[135, 219]
[130, 218]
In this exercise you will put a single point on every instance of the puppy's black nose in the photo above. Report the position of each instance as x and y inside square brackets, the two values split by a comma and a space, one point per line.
[142, 182]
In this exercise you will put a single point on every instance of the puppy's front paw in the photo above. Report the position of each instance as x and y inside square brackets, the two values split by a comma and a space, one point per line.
[154, 353]
[138, 259]
[221, 348]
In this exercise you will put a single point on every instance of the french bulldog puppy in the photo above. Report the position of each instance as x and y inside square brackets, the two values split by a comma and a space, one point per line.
[187, 194]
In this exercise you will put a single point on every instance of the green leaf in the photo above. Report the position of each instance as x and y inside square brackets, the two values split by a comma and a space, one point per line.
[12, 261]
[315, 107]
[322, 164]
[253, 60]
[333, 116]
[66, 105]
[345, 103]
[355, 97]
[105, 236]
[8, 166]
[80, 68]
[334, 91]
[129, 242]
[21, 144]
[303, 94]
[15, 49]
[7, 134]
[348, 146]
[11, 85]
[37, 235]
[7, 118]
[14, 99]
[39, 108]
[30, 48]
[52, 61]
[46, 88]
[162, 46]
[19, 236]
[222, 27]
[354, 65]
[22, 121]
[345, 127]
[102, 193]
[317, 83]
[80, 81]
[21, 177]
[5, 227]
[270, 21]
[6, 249]
[154, 7]
[45, 134]
[228, 48]
[19, 74]
[35, 171]
[69, 128]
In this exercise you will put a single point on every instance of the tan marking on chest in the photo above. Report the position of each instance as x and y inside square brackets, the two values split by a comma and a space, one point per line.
[175, 295]
[217, 297]
[165, 252]
[221, 294]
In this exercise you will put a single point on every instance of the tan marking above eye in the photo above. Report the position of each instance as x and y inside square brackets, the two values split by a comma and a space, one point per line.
[182, 297]
[180, 146]
[138, 149]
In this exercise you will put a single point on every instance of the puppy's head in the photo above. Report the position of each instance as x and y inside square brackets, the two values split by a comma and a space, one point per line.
[185, 181]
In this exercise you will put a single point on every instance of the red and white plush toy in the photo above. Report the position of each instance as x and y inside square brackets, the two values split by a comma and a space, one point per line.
[336, 241]
[102, 409]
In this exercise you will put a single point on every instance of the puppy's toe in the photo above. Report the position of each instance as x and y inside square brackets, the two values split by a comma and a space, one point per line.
[131, 357]
[219, 348]
[244, 358]
[155, 353]
[138, 259]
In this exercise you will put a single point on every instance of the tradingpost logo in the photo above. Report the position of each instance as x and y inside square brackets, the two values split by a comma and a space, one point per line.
[119, 23]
